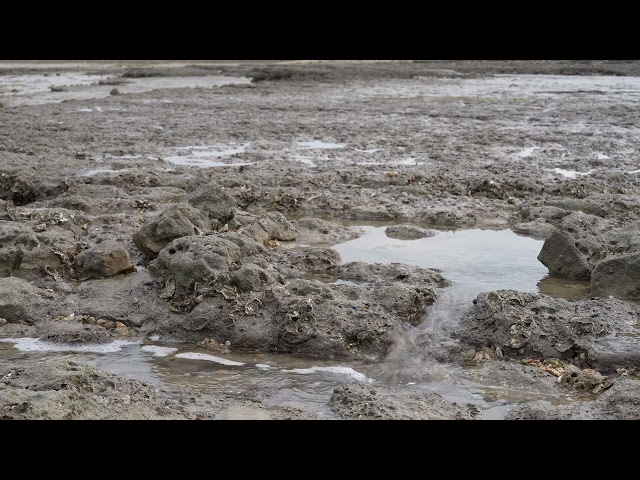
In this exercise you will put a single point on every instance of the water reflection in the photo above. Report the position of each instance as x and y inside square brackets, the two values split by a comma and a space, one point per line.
[475, 260]
[560, 287]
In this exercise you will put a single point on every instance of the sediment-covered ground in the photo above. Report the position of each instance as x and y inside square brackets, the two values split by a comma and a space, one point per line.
[198, 203]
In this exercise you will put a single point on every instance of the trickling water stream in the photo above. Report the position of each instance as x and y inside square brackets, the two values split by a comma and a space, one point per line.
[474, 260]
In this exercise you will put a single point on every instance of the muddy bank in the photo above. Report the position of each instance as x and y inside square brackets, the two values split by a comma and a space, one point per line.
[202, 202]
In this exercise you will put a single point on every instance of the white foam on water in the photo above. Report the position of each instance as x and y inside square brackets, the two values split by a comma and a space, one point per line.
[158, 351]
[348, 371]
[527, 152]
[319, 144]
[602, 156]
[263, 366]
[371, 150]
[84, 110]
[210, 358]
[154, 338]
[569, 173]
[27, 344]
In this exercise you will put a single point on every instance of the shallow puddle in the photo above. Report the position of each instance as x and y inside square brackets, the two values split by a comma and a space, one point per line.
[505, 86]
[569, 173]
[97, 171]
[24, 85]
[406, 161]
[527, 152]
[207, 155]
[319, 144]
[475, 260]
[36, 89]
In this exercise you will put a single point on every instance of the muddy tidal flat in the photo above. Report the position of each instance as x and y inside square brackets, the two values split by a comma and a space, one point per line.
[306, 240]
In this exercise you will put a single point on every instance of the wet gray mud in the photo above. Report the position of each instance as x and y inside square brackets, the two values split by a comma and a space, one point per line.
[319, 240]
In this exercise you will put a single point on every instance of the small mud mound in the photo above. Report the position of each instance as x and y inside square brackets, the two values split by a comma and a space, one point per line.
[23, 188]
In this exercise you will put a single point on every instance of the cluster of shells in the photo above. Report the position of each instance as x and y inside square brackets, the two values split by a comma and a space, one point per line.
[568, 375]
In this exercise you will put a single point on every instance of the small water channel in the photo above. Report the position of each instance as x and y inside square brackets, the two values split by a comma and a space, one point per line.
[474, 260]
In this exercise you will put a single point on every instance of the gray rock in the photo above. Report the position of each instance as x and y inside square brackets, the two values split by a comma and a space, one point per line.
[574, 248]
[453, 217]
[316, 260]
[316, 231]
[620, 402]
[215, 202]
[190, 266]
[251, 277]
[512, 376]
[23, 187]
[391, 273]
[407, 302]
[103, 260]
[177, 221]
[488, 187]
[366, 402]
[59, 389]
[64, 390]
[596, 333]
[19, 300]
[600, 204]
[624, 239]
[133, 299]
[80, 203]
[535, 229]
[53, 217]
[271, 226]
[618, 276]
[27, 254]
[72, 332]
[529, 213]
[304, 316]
[408, 232]
[241, 219]
[561, 256]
